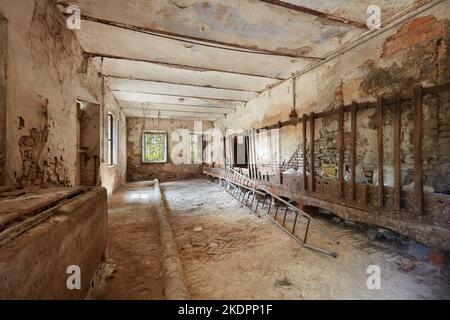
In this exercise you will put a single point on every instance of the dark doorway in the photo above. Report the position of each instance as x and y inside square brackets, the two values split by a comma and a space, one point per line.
[89, 144]
[240, 151]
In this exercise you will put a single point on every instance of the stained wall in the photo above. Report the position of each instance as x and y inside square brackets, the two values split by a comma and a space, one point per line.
[47, 73]
[412, 53]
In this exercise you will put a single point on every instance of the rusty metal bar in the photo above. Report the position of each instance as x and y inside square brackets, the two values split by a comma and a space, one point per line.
[397, 152]
[270, 205]
[295, 223]
[380, 152]
[312, 152]
[417, 146]
[305, 180]
[285, 214]
[353, 151]
[253, 199]
[248, 197]
[276, 211]
[306, 232]
[341, 150]
[257, 203]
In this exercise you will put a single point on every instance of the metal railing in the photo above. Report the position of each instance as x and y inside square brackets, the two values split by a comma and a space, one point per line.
[243, 188]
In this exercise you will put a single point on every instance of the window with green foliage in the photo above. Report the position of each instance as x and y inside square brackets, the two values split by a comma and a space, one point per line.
[194, 146]
[154, 147]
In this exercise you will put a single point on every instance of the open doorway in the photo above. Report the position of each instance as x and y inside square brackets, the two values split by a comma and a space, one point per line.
[240, 151]
[88, 144]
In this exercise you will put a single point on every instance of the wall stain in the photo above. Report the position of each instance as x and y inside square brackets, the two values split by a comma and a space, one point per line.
[36, 172]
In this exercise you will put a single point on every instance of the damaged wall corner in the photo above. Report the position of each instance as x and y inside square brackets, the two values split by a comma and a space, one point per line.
[46, 66]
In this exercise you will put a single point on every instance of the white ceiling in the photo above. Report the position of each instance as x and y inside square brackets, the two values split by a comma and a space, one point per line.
[202, 59]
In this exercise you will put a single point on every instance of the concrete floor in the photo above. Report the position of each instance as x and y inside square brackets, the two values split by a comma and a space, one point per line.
[228, 252]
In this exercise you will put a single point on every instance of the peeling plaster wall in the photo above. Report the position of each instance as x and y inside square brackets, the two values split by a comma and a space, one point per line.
[138, 171]
[46, 69]
[417, 52]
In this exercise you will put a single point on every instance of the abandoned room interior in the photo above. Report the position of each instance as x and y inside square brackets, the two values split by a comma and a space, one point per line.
[239, 149]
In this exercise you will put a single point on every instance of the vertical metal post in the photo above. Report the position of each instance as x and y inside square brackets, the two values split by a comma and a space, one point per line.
[285, 214]
[397, 151]
[353, 150]
[270, 205]
[306, 232]
[253, 198]
[276, 211]
[305, 180]
[312, 151]
[257, 203]
[248, 197]
[295, 222]
[341, 151]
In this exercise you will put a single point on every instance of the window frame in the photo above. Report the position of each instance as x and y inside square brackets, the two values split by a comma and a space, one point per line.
[199, 137]
[110, 139]
[166, 153]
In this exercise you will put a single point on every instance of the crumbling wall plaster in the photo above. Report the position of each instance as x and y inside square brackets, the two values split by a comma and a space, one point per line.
[396, 60]
[46, 69]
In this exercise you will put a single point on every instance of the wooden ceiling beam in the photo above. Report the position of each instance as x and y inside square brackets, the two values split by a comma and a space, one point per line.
[177, 95]
[176, 65]
[316, 13]
[181, 84]
[216, 44]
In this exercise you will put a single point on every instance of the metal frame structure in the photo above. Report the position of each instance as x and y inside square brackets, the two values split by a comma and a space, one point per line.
[243, 188]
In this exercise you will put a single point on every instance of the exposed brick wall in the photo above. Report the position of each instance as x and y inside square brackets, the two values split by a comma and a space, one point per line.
[170, 171]
[420, 31]
[425, 60]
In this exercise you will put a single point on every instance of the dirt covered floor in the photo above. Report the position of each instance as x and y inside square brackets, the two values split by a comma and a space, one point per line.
[228, 252]
[132, 270]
